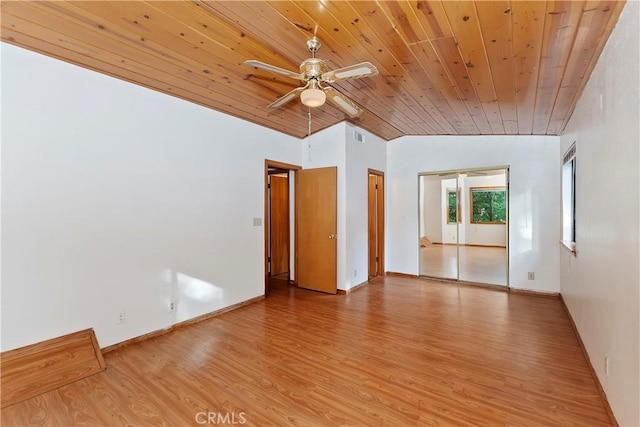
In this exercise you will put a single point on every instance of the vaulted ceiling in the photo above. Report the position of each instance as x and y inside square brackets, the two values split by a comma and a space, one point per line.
[445, 67]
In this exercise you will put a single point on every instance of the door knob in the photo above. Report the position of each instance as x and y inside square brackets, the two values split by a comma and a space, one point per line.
[333, 236]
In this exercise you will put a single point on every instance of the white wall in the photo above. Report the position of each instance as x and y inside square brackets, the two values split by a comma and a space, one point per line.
[325, 149]
[601, 284]
[117, 198]
[534, 194]
[360, 158]
[335, 146]
[431, 197]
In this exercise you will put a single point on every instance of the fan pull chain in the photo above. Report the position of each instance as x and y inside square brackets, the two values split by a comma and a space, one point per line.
[309, 138]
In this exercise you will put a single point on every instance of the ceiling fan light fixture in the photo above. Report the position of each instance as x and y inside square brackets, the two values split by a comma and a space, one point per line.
[313, 97]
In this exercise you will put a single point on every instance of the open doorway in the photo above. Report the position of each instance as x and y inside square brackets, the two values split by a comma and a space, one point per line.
[463, 232]
[279, 232]
[376, 223]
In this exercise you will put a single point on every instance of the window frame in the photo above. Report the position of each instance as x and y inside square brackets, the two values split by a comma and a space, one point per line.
[569, 158]
[456, 192]
[500, 188]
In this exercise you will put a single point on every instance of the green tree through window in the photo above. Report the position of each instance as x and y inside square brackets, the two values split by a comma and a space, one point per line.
[452, 200]
[488, 205]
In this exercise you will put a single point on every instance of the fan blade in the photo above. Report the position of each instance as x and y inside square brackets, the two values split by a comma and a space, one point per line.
[274, 69]
[342, 102]
[286, 98]
[356, 71]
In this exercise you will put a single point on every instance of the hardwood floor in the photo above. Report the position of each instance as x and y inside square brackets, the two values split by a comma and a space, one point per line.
[396, 352]
[481, 264]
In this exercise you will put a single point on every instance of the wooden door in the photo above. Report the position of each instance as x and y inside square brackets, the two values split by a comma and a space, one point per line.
[373, 227]
[316, 229]
[279, 223]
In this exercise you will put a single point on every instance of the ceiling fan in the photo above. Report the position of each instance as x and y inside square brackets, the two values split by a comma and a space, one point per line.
[315, 76]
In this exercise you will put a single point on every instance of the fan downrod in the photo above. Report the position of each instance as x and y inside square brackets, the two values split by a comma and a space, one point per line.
[314, 45]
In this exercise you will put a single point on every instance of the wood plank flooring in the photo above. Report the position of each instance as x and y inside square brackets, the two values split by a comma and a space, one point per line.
[35, 369]
[480, 264]
[397, 352]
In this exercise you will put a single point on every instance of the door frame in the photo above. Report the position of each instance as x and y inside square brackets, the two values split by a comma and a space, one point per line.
[288, 167]
[380, 207]
[507, 172]
[278, 173]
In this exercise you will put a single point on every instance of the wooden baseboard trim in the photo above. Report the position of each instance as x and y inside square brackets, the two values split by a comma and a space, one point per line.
[501, 288]
[603, 395]
[483, 246]
[38, 368]
[535, 293]
[160, 332]
[490, 286]
[396, 274]
[468, 244]
[353, 288]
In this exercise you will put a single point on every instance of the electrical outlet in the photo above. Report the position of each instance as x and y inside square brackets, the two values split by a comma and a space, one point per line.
[606, 365]
[122, 317]
[532, 275]
[172, 306]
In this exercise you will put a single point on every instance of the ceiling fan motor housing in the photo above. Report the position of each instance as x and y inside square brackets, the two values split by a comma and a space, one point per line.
[312, 68]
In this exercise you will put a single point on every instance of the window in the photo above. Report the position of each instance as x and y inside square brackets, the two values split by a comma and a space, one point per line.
[488, 205]
[569, 199]
[454, 214]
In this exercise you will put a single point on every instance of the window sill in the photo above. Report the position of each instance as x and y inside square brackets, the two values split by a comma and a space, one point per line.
[570, 246]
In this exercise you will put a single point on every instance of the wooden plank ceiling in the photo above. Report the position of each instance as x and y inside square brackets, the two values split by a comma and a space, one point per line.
[446, 67]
